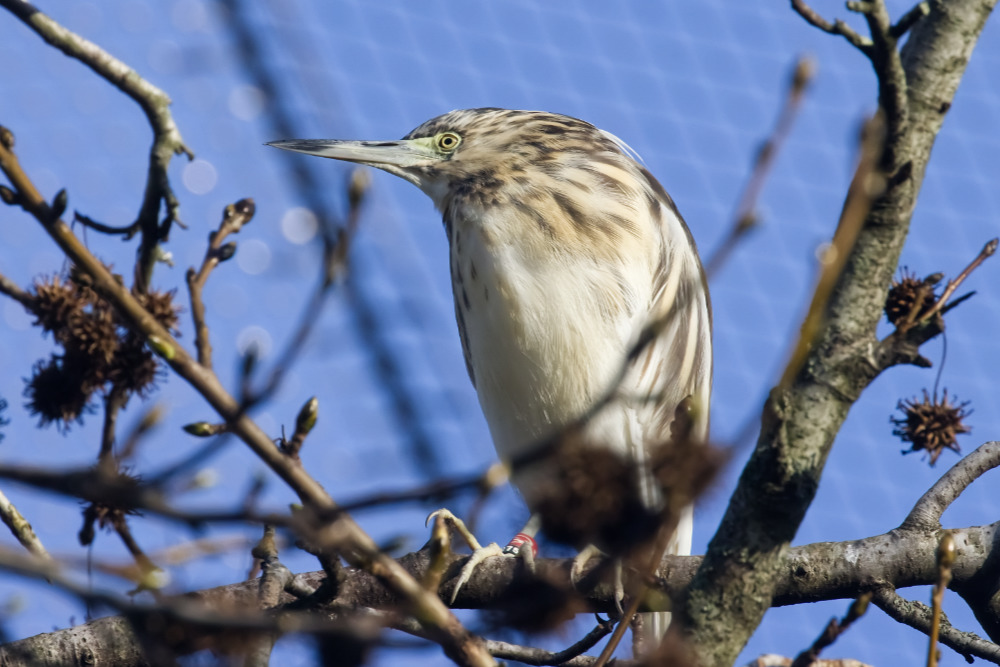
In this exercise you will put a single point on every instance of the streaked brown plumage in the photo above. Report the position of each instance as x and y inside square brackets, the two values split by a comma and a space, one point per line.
[563, 248]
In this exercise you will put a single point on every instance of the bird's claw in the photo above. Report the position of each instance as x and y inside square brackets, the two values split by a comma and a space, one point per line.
[521, 546]
[587, 554]
[457, 524]
[477, 557]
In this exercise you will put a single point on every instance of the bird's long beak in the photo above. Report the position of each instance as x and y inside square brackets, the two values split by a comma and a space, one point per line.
[395, 157]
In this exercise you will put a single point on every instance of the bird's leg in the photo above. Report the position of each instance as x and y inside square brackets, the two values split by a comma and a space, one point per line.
[587, 554]
[515, 548]
[526, 536]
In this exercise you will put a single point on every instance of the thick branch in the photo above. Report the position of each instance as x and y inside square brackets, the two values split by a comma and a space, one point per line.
[821, 571]
[742, 569]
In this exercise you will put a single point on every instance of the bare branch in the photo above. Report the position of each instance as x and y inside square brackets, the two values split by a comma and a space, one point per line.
[832, 632]
[154, 102]
[568, 657]
[918, 616]
[838, 27]
[234, 217]
[11, 289]
[984, 254]
[745, 218]
[910, 18]
[20, 528]
[926, 514]
[738, 578]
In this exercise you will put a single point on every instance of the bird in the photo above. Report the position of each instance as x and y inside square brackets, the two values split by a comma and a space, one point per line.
[565, 252]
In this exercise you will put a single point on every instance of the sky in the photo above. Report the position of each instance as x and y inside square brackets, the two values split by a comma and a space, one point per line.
[693, 87]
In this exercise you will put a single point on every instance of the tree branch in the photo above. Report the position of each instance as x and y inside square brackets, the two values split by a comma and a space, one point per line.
[167, 139]
[918, 616]
[838, 27]
[739, 577]
[926, 514]
[811, 573]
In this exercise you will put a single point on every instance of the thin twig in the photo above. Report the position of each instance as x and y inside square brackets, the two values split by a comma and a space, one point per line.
[946, 554]
[113, 403]
[11, 289]
[833, 631]
[167, 140]
[564, 658]
[918, 616]
[234, 217]
[745, 218]
[860, 195]
[838, 27]
[988, 250]
[20, 528]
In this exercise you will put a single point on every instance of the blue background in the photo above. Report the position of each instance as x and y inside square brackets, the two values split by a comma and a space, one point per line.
[694, 87]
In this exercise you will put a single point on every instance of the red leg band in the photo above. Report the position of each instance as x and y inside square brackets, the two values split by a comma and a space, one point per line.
[517, 542]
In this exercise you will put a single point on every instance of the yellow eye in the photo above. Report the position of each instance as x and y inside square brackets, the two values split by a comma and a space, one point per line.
[448, 141]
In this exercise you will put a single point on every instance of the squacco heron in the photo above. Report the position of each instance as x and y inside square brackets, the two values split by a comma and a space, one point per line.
[564, 249]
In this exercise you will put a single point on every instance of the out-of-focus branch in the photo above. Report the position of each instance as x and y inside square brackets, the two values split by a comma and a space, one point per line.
[20, 528]
[336, 253]
[14, 291]
[832, 632]
[865, 187]
[167, 140]
[745, 218]
[945, 559]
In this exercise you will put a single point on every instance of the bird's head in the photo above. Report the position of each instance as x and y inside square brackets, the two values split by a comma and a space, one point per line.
[479, 153]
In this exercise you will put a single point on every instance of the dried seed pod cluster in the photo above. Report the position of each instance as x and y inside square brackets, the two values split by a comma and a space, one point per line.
[99, 353]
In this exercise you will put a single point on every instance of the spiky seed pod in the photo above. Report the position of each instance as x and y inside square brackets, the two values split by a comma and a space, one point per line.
[57, 393]
[93, 334]
[55, 303]
[904, 295]
[161, 306]
[930, 424]
[134, 369]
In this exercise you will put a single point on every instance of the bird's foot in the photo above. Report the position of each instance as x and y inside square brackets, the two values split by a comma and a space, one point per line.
[587, 554]
[514, 549]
